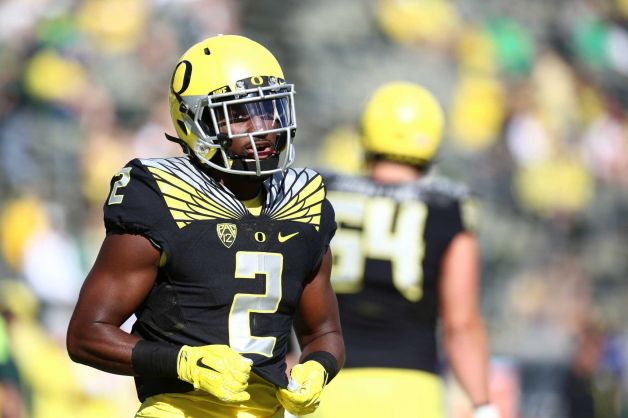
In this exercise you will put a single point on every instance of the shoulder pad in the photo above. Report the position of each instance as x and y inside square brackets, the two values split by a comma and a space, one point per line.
[190, 194]
[134, 204]
[439, 189]
[434, 190]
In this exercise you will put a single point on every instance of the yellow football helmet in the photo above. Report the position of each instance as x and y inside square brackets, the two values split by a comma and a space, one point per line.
[222, 81]
[403, 122]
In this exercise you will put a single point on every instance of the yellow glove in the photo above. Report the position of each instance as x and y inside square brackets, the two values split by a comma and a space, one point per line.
[306, 384]
[216, 369]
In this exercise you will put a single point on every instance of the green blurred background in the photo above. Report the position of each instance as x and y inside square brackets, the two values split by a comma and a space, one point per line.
[536, 94]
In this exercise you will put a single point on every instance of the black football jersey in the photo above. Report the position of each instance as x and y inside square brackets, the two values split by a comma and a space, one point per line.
[387, 255]
[229, 277]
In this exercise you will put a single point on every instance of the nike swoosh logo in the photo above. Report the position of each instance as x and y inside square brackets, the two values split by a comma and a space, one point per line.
[284, 238]
[200, 363]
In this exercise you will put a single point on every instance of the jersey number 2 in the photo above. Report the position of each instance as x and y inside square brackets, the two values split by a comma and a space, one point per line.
[248, 264]
[125, 177]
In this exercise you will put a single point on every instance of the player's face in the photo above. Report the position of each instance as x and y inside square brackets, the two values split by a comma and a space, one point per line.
[256, 118]
[264, 145]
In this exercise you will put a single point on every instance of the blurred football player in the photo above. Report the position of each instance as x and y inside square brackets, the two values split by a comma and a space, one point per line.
[217, 253]
[405, 256]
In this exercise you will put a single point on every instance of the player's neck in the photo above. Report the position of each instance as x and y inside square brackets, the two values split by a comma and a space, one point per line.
[392, 172]
[243, 187]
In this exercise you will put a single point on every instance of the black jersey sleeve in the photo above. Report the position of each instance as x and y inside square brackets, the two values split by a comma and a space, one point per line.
[135, 205]
[453, 207]
[469, 213]
[328, 224]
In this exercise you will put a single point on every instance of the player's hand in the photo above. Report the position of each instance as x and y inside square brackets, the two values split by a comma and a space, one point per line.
[306, 384]
[216, 369]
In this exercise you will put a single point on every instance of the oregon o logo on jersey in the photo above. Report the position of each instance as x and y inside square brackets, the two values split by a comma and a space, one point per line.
[227, 233]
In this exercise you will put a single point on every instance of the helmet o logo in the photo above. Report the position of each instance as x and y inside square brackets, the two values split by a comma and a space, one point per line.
[187, 75]
[257, 80]
[260, 237]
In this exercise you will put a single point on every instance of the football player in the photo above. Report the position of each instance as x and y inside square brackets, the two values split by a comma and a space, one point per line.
[405, 256]
[218, 253]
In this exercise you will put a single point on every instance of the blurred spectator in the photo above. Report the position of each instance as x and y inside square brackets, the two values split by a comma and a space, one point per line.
[478, 111]
[605, 145]
[51, 256]
[115, 26]
[11, 397]
[41, 361]
[20, 219]
[418, 21]
[588, 393]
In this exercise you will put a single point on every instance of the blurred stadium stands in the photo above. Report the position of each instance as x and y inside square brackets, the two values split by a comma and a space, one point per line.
[536, 93]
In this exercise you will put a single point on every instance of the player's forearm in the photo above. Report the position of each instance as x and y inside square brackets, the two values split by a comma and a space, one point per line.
[330, 342]
[466, 347]
[102, 346]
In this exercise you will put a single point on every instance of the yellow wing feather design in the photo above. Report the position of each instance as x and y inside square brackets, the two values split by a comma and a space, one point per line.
[190, 195]
[297, 195]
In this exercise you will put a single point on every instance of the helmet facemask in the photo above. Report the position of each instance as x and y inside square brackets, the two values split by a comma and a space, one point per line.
[218, 119]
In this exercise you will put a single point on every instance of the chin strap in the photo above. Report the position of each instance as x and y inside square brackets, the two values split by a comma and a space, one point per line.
[172, 138]
[179, 141]
[269, 163]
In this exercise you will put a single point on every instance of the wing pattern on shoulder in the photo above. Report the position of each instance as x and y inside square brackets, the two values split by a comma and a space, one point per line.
[297, 195]
[191, 195]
